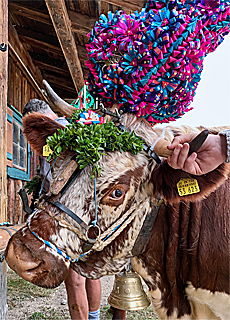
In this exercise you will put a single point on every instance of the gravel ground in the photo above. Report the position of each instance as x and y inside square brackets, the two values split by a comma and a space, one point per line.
[29, 302]
[20, 306]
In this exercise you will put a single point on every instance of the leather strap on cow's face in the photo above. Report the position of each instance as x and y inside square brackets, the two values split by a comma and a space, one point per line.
[146, 229]
[65, 209]
[148, 149]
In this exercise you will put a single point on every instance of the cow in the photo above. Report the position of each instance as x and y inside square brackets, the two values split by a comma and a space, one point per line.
[185, 259]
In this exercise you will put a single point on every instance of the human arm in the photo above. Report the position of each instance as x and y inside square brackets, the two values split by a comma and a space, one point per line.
[212, 153]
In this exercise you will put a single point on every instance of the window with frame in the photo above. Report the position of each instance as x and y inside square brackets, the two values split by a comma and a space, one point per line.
[18, 149]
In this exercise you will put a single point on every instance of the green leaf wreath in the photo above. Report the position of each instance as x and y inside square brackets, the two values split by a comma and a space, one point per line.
[91, 141]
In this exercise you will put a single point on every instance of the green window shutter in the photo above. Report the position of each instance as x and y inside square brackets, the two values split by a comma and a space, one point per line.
[21, 149]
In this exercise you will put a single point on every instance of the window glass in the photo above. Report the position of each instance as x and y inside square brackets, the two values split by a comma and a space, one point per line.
[14, 154]
[22, 158]
[19, 147]
[15, 133]
[22, 139]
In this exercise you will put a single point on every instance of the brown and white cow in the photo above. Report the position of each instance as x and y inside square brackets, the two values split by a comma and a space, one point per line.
[185, 262]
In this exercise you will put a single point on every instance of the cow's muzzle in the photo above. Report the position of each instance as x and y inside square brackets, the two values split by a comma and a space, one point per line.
[34, 262]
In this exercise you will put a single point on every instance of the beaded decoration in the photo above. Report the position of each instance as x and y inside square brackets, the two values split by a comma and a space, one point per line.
[84, 99]
[150, 62]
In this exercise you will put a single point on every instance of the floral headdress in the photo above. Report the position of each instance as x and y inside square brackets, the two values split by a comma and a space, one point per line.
[150, 62]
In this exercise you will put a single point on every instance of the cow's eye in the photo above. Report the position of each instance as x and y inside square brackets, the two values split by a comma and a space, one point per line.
[117, 194]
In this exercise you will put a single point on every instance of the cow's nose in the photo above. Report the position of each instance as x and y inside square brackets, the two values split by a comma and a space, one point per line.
[33, 262]
[23, 267]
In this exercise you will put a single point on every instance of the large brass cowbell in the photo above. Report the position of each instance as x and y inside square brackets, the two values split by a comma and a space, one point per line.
[128, 292]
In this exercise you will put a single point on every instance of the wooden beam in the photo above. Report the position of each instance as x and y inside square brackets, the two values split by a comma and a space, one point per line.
[60, 82]
[23, 54]
[27, 72]
[80, 23]
[48, 67]
[104, 6]
[40, 44]
[3, 144]
[45, 42]
[130, 5]
[24, 59]
[55, 61]
[35, 34]
[29, 13]
[3, 108]
[3, 289]
[59, 16]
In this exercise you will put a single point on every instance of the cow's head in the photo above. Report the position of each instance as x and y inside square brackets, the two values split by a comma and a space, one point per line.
[127, 188]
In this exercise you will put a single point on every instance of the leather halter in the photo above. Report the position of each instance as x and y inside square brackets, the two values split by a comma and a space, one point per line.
[75, 174]
[62, 207]
[111, 233]
[95, 244]
[69, 212]
[144, 234]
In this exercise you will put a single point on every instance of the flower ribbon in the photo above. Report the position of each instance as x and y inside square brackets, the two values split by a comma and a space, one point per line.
[90, 117]
[152, 60]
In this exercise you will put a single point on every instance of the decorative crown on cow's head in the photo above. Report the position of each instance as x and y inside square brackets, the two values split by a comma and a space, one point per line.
[150, 62]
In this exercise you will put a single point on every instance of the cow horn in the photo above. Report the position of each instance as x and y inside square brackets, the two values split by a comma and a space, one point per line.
[161, 149]
[60, 104]
[160, 145]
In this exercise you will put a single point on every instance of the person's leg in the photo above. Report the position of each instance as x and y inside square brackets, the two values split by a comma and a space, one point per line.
[77, 297]
[93, 290]
[119, 314]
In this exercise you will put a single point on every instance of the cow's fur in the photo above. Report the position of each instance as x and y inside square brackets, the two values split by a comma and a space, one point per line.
[186, 260]
[37, 128]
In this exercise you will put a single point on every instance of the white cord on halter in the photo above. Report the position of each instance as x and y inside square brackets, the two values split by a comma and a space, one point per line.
[155, 142]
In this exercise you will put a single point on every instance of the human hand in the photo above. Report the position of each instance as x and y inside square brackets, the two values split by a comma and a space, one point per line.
[210, 155]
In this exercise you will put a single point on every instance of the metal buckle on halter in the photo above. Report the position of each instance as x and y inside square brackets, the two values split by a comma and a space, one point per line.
[90, 240]
[151, 153]
[105, 111]
[121, 127]
[146, 148]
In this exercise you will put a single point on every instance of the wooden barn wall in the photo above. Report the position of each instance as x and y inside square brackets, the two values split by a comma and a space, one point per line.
[20, 91]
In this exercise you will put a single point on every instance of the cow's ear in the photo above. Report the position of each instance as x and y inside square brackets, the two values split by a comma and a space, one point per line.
[165, 180]
[37, 128]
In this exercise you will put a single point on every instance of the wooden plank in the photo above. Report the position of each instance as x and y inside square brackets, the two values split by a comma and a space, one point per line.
[3, 290]
[38, 35]
[39, 16]
[24, 92]
[104, 7]
[60, 82]
[29, 13]
[23, 54]
[40, 44]
[13, 81]
[10, 85]
[18, 202]
[48, 67]
[11, 200]
[3, 109]
[33, 82]
[80, 23]
[55, 61]
[59, 16]
[84, 6]
[71, 5]
[127, 4]
[17, 105]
